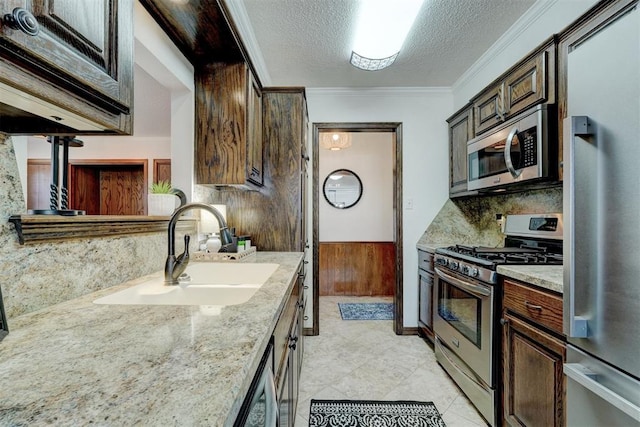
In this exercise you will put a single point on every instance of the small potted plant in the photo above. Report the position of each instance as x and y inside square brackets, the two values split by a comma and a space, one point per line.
[161, 198]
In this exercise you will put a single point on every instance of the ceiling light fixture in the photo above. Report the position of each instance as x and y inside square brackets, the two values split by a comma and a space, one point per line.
[335, 141]
[380, 32]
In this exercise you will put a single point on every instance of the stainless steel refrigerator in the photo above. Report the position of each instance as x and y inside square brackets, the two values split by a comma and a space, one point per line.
[602, 225]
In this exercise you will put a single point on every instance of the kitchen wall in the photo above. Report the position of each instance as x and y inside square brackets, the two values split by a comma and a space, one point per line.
[371, 219]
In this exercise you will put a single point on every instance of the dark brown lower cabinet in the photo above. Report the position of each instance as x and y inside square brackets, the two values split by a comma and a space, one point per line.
[533, 383]
[288, 351]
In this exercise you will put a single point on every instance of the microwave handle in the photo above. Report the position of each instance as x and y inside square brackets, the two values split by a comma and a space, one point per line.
[507, 153]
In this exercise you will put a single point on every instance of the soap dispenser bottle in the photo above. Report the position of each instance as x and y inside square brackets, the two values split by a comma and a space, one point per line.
[213, 243]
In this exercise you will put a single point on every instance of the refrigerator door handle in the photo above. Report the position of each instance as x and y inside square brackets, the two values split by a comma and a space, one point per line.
[588, 379]
[573, 126]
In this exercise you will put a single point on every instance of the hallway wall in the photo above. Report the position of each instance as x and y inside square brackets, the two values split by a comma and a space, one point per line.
[371, 219]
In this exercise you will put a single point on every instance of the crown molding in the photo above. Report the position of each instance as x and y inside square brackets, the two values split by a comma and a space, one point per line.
[378, 91]
[243, 25]
[529, 18]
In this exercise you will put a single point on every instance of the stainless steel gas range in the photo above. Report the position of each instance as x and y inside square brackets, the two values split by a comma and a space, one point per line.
[467, 302]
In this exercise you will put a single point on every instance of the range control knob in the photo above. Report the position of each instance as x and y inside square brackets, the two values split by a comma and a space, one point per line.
[441, 261]
[473, 272]
[453, 265]
[464, 269]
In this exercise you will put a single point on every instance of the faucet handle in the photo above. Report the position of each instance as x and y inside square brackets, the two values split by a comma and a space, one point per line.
[187, 239]
[184, 256]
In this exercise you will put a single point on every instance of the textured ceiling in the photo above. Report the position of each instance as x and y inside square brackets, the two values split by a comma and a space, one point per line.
[308, 42]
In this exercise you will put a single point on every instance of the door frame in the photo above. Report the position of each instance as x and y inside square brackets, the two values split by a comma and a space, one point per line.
[390, 127]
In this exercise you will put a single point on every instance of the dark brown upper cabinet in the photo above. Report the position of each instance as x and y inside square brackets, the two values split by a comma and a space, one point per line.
[66, 66]
[529, 82]
[229, 147]
[460, 132]
[201, 29]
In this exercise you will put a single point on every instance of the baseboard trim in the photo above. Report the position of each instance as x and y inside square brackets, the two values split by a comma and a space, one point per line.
[409, 331]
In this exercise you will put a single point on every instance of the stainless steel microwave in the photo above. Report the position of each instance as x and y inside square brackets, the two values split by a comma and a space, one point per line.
[521, 151]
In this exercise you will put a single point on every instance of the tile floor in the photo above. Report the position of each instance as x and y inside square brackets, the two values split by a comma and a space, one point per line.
[366, 360]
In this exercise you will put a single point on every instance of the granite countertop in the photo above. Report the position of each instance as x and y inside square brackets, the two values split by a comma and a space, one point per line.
[545, 276]
[431, 246]
[79, 363]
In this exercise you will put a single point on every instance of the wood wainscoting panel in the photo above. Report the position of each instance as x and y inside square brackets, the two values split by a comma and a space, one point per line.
[357, 268]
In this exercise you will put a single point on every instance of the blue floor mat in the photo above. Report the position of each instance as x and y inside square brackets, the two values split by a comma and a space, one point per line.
[366, 311]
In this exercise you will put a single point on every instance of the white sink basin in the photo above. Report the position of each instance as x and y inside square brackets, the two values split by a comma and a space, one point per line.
[209, 283]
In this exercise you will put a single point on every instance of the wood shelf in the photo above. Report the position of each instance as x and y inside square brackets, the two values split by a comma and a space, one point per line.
[53, 228]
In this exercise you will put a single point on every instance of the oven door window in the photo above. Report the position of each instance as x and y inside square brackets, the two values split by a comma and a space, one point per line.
[461, 310]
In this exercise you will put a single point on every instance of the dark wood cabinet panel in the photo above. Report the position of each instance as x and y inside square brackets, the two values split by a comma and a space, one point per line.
[121, 191]
[85, 190]
[288, 354]
[255, 149]
[534, 385]
[527, 85]
[357, 268]
[529, 82]
[80, 64]
[533, 353]
[274, 215]
[540, 306]
[161, 170]
[460, 132]
[112, 187]
[228, 134]
[201, 29]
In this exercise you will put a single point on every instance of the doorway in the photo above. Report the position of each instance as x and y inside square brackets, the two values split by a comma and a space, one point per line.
[395, 131]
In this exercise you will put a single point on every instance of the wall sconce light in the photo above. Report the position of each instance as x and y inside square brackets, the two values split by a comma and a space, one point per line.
[381, 30]
[335, 141]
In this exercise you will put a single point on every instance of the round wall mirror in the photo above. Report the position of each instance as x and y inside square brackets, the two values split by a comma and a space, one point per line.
[342, 188]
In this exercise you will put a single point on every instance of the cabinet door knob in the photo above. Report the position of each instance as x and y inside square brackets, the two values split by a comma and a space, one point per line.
[23, 20]
[503, 322]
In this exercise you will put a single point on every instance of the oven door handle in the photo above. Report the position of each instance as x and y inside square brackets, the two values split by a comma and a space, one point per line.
[507, 154]
[474, 289]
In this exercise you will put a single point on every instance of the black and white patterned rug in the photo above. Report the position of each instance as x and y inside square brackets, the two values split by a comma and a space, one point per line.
[371, 413]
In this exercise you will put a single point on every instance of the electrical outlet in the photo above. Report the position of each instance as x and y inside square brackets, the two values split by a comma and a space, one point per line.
[408, 204]
[500, 221]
